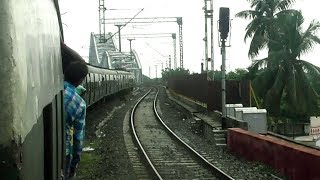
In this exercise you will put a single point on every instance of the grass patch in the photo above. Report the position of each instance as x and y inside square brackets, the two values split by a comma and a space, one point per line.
[91, 162]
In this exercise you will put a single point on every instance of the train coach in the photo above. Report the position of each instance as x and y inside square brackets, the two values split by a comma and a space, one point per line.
[102, 82]
[31, 90]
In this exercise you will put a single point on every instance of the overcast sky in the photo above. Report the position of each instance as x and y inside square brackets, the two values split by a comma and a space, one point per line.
[81, 17]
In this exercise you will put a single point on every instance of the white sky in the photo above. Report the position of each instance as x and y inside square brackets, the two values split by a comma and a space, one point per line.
[81, 18]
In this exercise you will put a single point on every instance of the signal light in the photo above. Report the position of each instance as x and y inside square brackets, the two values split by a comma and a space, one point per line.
[224, 19]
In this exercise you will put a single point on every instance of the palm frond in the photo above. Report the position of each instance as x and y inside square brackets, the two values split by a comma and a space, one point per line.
[309, 37]
[263, 81]
[284, 4]
[273, 96]
[258, 42]
[307, 45]
[257, 64]
[253, 27]
[247, 14]
[309, 67]
[291, 85]
[256, 3]
[307, 98]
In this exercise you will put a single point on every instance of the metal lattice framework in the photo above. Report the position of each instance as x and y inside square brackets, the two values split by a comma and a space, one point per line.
[158, 35]
[151, 20]
[174, 39]
[208, 14]
[179, 21]
[102, 27]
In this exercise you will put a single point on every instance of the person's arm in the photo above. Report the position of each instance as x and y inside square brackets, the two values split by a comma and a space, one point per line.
[78, 135]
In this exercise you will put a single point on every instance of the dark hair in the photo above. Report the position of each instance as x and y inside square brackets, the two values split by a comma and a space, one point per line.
[69, 56]
[75, 72]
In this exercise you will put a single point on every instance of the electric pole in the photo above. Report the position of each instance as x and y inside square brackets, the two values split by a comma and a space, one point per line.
[224, 25]
[130, 40]
[205, 37]
[119, 28]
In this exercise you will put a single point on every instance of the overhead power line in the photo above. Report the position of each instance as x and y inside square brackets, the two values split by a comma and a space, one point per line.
[125, 24]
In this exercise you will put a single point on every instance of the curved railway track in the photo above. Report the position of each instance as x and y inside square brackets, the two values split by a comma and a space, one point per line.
[168, 156]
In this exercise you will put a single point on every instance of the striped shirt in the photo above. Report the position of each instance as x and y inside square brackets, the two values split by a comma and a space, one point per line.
[75, 113]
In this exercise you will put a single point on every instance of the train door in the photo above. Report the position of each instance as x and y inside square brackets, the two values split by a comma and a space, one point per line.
[98, 76]
[85, 84]
[89, 91]
[93, 84]
[109, 84]
[119, 82]
[53, 138]
[112, 84]
[105, 85]
[98, 86]
[116, 86]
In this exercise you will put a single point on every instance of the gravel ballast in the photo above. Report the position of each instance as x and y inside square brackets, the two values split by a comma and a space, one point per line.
[110, 160]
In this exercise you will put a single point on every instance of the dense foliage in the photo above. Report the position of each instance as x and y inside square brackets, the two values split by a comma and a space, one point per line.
[285, 83]
[167, 73]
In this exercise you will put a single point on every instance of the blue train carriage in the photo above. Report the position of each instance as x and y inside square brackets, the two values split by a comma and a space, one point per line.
[31, 90]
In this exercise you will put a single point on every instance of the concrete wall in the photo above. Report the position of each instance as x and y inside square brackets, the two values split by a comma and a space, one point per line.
[294, 161]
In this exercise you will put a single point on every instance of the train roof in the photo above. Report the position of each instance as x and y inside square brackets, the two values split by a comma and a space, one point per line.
[102, 70]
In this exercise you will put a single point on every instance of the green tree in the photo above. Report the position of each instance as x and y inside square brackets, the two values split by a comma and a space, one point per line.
[167, 73]
[215, 74]
[262, 28]
[238, 74]
[287, 79]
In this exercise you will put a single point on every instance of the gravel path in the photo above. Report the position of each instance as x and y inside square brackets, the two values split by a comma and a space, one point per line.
[104, 133]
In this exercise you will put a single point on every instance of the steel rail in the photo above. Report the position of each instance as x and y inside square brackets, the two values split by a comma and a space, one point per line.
[137, 139]
[218, 172]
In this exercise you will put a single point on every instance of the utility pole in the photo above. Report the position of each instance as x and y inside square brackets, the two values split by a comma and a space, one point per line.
[223, 83]
[174, 39]
[205, 37]
[211, 23]
[201, 67]
[119, 28]
[179, 21]
[102, 26]
[208, 14]
[224, 14]
[150, 72]
[130, 40]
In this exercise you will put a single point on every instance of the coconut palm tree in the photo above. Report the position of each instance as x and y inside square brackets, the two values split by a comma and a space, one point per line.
[261, 28]
[286, 80]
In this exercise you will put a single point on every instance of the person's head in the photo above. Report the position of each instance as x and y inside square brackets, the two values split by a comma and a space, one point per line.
[75, 73]
[69, 56]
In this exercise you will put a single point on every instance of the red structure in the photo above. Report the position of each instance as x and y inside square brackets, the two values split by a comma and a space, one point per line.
[294, 161]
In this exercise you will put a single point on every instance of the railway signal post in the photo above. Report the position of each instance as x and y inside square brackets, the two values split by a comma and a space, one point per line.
[224, 24]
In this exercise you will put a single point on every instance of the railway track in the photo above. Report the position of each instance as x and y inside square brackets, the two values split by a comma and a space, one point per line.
[167, 155]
